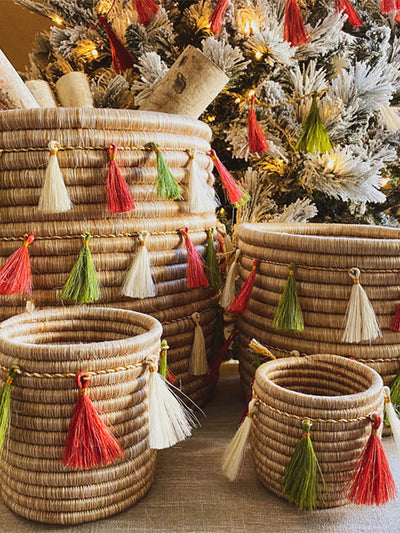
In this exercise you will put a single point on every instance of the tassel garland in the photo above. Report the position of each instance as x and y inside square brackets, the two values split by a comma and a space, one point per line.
[198, 364]
[146, 10]
[82, 285]
[314, 138]
[300, 480]
[257, 140]
[228, 293]
[352, 16]
[16, 274]
[392, 418]
[167, 186]
[89, 441]
[218, 15]
[295, 31]
[237, 196]
[54, 196]
[139, 280]
[5, 400]
[119, 198]
[121, 58]
[235, 452]
[373, 482]
[212, 270]
[241, 303]
[289, 316]
[201, 197]
[195, 275]
[361, 321]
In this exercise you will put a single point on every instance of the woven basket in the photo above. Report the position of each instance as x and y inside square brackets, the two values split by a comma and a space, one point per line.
[84, 136]
[323, 254]
[35, 483]
[320, 386]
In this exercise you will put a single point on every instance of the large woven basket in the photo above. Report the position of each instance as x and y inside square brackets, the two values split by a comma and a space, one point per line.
[84, 136]
[50, 346]
[314, 387]
[323, 255]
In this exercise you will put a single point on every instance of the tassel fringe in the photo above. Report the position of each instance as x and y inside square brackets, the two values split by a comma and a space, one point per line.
[139, 280]
[198, 364]
[218, 15]
[228, 294]
[16, 274]
[295, 31]
[167, 186]
[241, 303]
[195, 275]
[121, 58]
[54, 196]
[257, 140]
[146, 10]
[237, 196]
[5, 400]
[119, 198]
[352, 16]
[314, 138]
[289, 316]
[201, 197]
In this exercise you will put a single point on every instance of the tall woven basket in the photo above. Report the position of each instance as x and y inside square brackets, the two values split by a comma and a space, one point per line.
[84, 136]
[337, 396]
[50, 346]
[322, 255]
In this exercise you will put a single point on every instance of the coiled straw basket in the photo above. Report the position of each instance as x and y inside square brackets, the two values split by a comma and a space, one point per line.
[35, 483]
[314, 387]
[84, 136]
[322, 254]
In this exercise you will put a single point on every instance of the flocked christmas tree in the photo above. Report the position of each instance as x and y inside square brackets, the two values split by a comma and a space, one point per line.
[307, 122]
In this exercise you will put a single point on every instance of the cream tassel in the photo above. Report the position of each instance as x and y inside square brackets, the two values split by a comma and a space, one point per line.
[361, 321]
[236, 449]
[201, 197]
[170, 421]
[390, 117]
[54, 196]
[198, 364]
[139, 282]
[228, 293]
[392, 417]
[229, 248]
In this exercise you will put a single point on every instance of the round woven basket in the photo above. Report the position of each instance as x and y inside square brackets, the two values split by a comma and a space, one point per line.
[314, 387]
[322, 254]
[84, 136]
[49, 347]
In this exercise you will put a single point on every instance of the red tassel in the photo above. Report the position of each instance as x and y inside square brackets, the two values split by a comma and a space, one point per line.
[15, 274]
[213, 369]
[295, 32]
[89, 441]
[146, 10]
[395, 323]
[241, 302]
[257, 140]
[397, 17]
[373, 482]
[171, 376]
[121, 58]
[235, 193]
[195, 275]
[388, 6]
[352, 15]
[119, 198]
[218, 15]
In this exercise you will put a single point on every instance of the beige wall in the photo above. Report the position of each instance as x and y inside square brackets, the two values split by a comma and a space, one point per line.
[17, 30]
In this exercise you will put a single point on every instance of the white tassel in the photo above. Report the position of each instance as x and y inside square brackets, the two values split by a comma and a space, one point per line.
[390, 117]
[54, 196]
[361, 321]
[201, 197]
[170, 421]
[198, 364]
[236, 449]
[228, 293]
[139, 281]
[392, 417]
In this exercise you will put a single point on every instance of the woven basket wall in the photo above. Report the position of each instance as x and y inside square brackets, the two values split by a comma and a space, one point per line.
[319, 386]
[84, 135]
[322, 253]
[35, 483]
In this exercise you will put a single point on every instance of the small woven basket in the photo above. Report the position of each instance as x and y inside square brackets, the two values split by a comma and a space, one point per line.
[340, 393]
[50, 347]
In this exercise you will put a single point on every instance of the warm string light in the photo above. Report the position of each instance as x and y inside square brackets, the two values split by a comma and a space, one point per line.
[57, 20]
[330, 163]
[258, 55]
[384, 181]
[250, 27]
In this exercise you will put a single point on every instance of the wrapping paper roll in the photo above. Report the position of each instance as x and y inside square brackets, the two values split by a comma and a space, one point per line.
[14, 94]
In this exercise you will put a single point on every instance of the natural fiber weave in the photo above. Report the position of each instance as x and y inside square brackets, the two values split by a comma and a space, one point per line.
[35, 483]
[337, 395]
[84, 136]
[322, 254]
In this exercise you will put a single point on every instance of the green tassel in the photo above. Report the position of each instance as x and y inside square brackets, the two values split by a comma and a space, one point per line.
[163, 368]
[167, 186]
[83, 285]
[5, 400]
[314, 138]
[300, 479]
[212, 267]
[288, 316]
